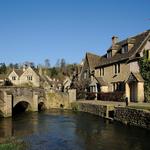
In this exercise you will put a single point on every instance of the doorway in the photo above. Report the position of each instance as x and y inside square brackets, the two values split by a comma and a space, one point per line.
[133, 91]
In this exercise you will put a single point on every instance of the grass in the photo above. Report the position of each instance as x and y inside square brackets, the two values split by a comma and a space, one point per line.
[13, 144]
[140, 107]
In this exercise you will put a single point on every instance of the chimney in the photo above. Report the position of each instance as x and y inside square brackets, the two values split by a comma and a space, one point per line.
[114, 40]
[24, 68]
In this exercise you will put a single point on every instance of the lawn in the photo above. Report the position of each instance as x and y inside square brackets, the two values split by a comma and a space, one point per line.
[140, 107]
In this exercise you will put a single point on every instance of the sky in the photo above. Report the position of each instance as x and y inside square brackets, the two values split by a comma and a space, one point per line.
[35, 30]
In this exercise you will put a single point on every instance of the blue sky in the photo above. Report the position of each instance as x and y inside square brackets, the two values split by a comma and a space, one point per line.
[33, 30]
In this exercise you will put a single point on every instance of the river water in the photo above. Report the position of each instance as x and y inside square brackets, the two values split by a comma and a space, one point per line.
[66, 130]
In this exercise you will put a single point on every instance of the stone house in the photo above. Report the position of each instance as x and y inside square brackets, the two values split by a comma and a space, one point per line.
[88, 67]
[24, 76]
[66, 84]
[50, 84]
[118, 69]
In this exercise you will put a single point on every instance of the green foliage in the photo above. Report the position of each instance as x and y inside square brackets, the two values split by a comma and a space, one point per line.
[54, 72]
[13, 144]
[145, 72]
[74, 106]
[3, 68]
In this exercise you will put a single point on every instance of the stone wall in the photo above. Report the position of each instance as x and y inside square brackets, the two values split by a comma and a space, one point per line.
[131, 116]
[57, 100]
[100, 110]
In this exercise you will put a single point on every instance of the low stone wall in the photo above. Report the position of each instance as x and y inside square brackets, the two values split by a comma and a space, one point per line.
[131, 116]
[100, 110]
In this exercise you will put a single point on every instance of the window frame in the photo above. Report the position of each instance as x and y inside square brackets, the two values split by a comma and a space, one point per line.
[29, 78]
[117, 68]
[14, 78]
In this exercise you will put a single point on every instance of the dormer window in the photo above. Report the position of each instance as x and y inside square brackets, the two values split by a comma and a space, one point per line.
[124, 49]
[109, 54]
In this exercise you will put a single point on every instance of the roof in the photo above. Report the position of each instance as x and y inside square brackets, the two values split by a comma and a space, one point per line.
[135, 76]
[19, 72]
[93, 60]
[101, 81]
[138, 42]
[138, 77]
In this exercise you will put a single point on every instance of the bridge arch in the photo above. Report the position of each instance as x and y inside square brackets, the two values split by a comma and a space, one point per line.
[41, 103]
[21, 106]
[16, 100]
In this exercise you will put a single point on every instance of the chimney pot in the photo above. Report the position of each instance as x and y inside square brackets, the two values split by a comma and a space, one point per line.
[114, 40]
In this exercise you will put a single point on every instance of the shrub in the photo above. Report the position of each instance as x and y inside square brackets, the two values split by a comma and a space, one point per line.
[91, 96]
[111, 96]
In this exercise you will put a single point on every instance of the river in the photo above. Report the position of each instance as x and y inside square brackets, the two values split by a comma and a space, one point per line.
[66, 130]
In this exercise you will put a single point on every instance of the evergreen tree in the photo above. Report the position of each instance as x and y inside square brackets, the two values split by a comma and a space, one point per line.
[3, 68]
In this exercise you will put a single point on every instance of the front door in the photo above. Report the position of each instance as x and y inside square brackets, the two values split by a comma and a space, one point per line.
[133, 91]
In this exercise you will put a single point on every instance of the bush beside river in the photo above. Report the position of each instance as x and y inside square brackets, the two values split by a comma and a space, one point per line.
[13, 144]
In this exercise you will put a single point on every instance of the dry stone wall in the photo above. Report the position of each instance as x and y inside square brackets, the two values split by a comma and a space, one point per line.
[131, 116]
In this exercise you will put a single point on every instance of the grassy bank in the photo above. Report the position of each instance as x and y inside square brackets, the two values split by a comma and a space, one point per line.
[13, 144]
[140, 107]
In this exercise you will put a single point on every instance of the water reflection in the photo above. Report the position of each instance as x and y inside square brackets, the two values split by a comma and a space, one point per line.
[20, 125]
[64, 130]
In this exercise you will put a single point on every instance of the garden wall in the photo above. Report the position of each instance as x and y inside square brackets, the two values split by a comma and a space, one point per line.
[131, 116]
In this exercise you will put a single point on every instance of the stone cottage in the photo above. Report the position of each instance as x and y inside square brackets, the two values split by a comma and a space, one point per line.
[118, 69]
[24, 76]
[88, 67]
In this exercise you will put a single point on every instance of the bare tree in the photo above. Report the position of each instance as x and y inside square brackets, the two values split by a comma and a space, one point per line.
[47, 63]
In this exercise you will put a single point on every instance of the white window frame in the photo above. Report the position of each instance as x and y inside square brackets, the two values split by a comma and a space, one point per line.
[29, 78]
[14, 78]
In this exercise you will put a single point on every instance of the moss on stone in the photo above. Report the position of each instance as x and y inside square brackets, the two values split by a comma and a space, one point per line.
[74, 106]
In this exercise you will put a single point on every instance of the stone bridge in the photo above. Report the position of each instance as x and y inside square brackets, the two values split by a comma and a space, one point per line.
[14, 99]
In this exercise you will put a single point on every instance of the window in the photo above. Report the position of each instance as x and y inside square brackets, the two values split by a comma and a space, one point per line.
[124, 49]
[119, 86]
[101, 71]
[85, 75]
[109, 54]
[147, 53]
[13, 77]
[29, 78]
[117, 68]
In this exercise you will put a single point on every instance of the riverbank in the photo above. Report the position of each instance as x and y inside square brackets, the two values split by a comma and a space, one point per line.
[12, 144]
[136, 114]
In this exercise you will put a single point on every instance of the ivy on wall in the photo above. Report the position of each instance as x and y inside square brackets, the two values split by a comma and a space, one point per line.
[144, 63]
